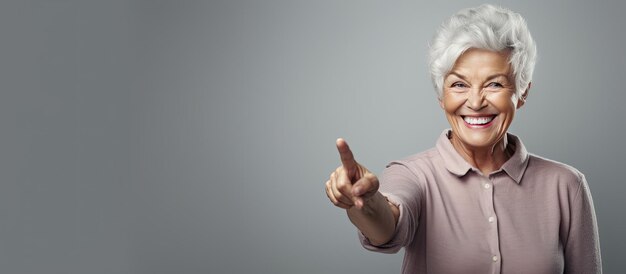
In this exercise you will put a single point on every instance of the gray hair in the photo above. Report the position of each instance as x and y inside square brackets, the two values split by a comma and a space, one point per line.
[485, 27]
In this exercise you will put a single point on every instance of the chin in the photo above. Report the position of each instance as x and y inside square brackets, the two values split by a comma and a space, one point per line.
[479, 141]
[479, 138]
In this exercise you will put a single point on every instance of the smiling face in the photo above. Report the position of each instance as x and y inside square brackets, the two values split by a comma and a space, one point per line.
[479, 98]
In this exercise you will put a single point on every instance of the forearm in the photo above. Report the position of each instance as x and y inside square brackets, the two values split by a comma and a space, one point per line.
[377, 220]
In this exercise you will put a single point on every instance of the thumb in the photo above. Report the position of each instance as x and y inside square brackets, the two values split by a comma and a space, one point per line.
[365, 188]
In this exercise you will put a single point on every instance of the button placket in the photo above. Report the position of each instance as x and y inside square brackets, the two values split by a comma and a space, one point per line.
[493, 224]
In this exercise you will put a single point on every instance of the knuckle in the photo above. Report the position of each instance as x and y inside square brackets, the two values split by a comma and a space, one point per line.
[375, 181]
[372, 179]
[342, 187]
[328, 191]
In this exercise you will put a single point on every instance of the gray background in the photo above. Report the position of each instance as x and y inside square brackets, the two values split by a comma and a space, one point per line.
[195, 137]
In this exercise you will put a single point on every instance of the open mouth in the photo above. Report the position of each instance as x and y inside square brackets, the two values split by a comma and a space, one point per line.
[478, 120]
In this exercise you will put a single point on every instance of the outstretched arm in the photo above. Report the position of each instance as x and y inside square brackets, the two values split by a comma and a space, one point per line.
[354, 188]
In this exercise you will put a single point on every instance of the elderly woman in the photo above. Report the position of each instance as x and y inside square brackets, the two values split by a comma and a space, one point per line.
[477, 202]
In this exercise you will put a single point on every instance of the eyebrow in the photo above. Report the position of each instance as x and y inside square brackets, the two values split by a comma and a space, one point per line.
[488, 78]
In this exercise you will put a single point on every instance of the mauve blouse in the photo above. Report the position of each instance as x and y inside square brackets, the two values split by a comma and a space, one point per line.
[533, 215]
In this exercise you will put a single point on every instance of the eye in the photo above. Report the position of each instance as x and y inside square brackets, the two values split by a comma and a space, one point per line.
[494, 85]
[458, 85]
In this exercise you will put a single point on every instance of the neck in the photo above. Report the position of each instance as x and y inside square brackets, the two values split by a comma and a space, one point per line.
[486, 159]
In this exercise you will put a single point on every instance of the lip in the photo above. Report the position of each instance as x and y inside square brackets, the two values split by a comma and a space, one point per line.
[477, 115]
[479, 126]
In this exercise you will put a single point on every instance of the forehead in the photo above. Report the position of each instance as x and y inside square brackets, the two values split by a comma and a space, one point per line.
[476, 62]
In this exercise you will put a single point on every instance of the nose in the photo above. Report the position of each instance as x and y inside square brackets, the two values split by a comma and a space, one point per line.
[476, 99]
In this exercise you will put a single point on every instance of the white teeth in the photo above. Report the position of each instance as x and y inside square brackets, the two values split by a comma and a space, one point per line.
[478, 120]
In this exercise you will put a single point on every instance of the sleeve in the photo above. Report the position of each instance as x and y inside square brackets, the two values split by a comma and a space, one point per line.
[400, 187]
[582, 250]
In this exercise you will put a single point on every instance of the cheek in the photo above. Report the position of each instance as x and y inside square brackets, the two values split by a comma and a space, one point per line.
[503, 102]
[450, 108]
[451, 103]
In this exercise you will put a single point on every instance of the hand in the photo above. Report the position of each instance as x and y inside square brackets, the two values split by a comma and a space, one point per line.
[351, 184]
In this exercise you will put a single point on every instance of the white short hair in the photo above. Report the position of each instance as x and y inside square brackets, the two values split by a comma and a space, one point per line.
[484, 27]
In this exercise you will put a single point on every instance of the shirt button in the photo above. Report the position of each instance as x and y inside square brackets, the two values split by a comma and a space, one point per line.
[487, 186]
[491, 219]
[494, 258]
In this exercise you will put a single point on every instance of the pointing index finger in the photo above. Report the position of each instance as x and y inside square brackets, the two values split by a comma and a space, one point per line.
[347, 158]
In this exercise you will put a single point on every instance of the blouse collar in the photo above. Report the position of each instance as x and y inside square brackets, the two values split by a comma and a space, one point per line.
[455, 164]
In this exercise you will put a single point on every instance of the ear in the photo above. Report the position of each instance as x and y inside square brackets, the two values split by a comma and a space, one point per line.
[441, 103]
[522, 100]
